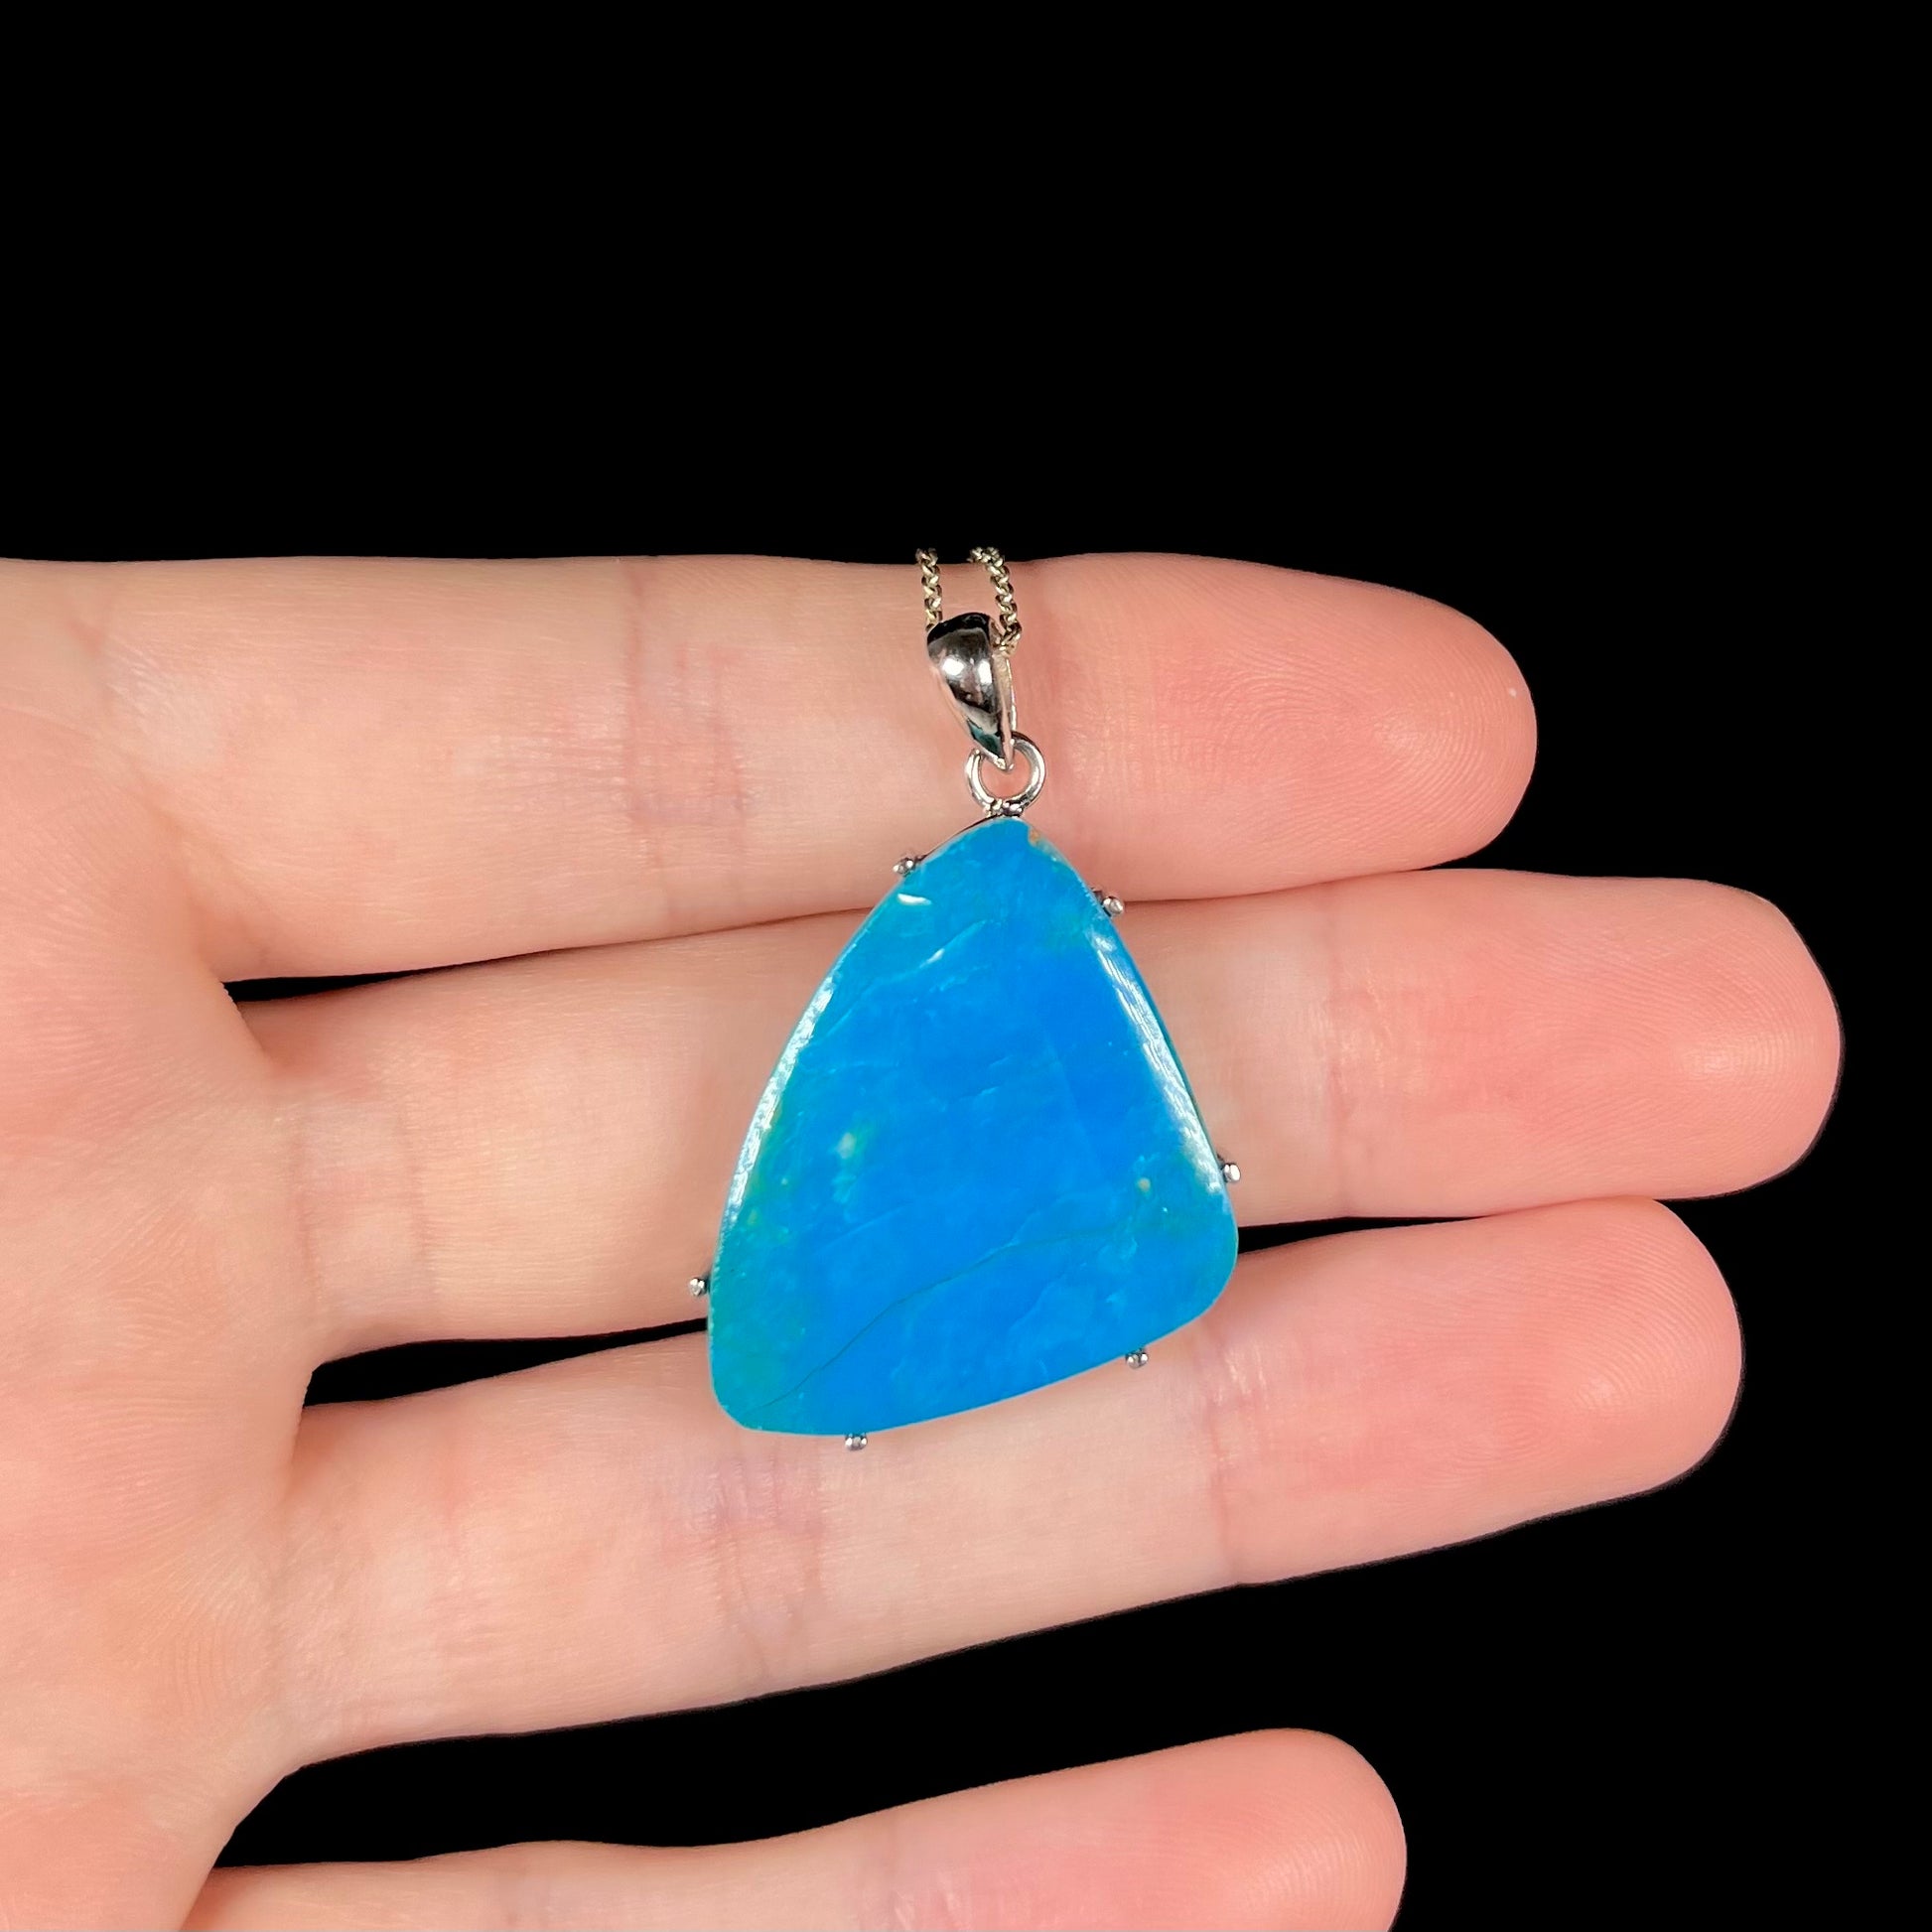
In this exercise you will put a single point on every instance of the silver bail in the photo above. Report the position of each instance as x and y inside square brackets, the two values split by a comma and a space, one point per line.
[978, 676]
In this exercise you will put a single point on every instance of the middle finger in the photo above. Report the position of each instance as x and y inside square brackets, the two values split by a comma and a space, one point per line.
[542, 1146]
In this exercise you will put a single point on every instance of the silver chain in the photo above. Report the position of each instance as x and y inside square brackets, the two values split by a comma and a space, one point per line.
[995, 568]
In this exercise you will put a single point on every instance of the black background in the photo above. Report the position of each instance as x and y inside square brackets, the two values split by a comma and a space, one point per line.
[1600, 1719]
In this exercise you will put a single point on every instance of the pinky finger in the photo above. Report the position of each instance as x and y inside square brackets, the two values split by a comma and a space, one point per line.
[1277, 1829]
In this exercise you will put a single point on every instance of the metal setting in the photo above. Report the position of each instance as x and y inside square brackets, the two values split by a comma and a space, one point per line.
[854, 1442]
[978, 679]
[1137, 1359]
[699, 1284]
[972, 657]
[908, 864]
[1230, 1171]
[991, 803]
[1110, 906]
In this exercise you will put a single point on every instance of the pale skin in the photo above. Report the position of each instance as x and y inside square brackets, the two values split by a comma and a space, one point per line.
[632, 808]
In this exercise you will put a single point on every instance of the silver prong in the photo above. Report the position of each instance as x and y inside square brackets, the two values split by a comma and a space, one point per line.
[1110, 906]
[699, 1284]
[910, 863]
[1230, 1171]
[857, 1441]
[1137, 1359]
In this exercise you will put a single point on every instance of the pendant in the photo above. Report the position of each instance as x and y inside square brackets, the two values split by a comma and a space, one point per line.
[978, 1168]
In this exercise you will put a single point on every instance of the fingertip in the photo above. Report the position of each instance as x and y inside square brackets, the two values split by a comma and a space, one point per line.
[1275, 1829]
[1473, 725]
[1320, 726]
[1425, 735]
[1335, 1850]
[1777, 1040]
[1654, 1378]
[1503, 720]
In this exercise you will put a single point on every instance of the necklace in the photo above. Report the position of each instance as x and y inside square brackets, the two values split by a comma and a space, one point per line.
[978, 1168]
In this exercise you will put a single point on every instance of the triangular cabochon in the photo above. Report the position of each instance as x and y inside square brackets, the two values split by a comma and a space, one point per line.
[978, 1168]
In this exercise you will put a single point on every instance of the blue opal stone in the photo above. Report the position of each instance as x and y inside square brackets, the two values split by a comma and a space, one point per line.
[978, 1168]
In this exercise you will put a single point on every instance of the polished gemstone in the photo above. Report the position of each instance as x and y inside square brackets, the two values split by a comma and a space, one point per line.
[978, 1168]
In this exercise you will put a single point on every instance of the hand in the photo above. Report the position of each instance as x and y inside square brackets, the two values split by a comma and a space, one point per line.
[646, 797]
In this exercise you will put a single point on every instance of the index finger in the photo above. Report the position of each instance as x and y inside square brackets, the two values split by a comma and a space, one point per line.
[369, 765]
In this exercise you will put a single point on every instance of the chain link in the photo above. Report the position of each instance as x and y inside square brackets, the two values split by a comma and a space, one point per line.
[929, 585]
[995, 566]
